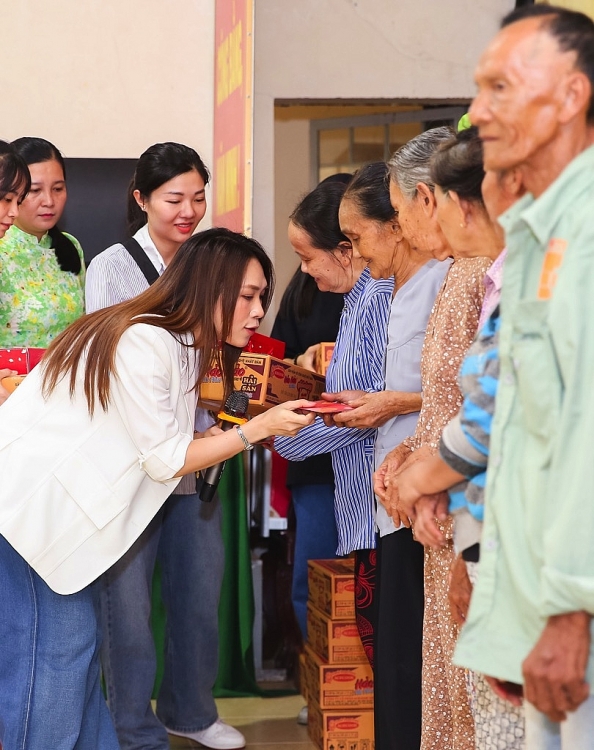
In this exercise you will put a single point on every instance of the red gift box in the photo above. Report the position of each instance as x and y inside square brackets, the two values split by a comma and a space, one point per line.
[259, 344]
[22, 360]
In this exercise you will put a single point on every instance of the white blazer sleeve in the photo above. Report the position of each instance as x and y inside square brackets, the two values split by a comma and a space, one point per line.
[148, 374]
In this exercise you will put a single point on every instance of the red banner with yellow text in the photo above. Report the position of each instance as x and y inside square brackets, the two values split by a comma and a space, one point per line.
[233, 114]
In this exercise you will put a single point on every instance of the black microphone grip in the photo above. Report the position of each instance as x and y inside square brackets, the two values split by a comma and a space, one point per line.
[235, 407]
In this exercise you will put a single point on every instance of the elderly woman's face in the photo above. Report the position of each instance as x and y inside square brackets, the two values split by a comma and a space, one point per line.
[451, 221]
[419, 226]
[332, 270]
[373, 241]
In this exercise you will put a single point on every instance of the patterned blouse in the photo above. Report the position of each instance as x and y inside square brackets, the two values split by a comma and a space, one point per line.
[447, 720]
[451, 329]
[37, 299]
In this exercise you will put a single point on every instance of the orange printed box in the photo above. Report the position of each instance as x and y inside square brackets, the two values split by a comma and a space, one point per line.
[323, 356]
[335, 641]
[268, 381]
[338, 685]
[331, 587]
[340, 730]
[303, 676]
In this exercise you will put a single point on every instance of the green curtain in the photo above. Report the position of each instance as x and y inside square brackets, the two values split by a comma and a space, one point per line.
[236, 676]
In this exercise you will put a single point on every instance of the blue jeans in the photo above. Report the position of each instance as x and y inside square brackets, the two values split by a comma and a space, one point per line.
[185, 536]
[575, 733]
[50, 691]
[316, 538]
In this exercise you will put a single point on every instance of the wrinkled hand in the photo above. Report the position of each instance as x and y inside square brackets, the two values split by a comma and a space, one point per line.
[384, 473]
[460, 591]
[403, 491]
[554, 671]
[369, 411]
[5, 373]
[343, 397]
[507, 691]
[426, 510]
[384, 484]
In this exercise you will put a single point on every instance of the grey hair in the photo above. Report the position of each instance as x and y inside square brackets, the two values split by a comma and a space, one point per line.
[411, 163]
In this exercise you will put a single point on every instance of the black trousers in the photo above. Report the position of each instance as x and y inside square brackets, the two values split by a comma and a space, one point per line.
[399, 605]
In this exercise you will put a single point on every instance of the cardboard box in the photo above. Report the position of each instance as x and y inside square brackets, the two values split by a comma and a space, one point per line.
[335, 641]
[333, 686]
[331, 586]
[268, 381]
[340, 730]
[323, 356]
[303, 676]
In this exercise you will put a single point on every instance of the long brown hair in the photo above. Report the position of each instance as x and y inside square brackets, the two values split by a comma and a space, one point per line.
[207, 271]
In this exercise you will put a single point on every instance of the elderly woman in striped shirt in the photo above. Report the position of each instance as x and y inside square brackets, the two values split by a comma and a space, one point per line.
[357, 363]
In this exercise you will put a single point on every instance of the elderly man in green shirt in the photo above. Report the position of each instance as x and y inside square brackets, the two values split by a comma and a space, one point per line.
[531, 614]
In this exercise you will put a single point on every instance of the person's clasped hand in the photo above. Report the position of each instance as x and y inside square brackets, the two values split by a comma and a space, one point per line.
[427, 511]
[385, 483]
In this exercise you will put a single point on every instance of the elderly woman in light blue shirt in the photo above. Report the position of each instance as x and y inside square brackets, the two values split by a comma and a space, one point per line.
[381, 419]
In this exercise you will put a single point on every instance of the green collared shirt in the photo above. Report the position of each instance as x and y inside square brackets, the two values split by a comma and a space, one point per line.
[537, 552]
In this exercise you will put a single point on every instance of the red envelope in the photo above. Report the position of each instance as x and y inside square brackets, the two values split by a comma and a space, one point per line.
[327, 407]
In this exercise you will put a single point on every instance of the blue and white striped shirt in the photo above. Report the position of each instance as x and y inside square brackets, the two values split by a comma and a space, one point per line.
[113, 276]
[357, 363]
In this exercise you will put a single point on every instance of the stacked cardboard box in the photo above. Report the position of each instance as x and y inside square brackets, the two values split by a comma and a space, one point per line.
[323, 356]
[267, 380]
[337, 679]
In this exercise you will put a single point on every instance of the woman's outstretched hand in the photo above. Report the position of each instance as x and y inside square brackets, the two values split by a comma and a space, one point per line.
[282, 420]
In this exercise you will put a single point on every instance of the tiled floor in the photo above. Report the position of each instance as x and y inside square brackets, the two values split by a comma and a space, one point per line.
[267, 723]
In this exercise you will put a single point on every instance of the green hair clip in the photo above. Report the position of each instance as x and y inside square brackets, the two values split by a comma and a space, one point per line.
[464, 122]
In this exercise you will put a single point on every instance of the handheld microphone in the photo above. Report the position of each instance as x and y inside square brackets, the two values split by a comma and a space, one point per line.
[233, 413]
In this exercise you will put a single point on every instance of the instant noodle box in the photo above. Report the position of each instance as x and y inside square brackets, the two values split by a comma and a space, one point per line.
[302, 676]
[333, 686]
[346, 729]
[331, 587]
[266, 379]
[335, 641]
[323, 356]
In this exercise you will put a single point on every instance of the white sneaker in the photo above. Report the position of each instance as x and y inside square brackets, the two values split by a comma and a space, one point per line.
[218, 736]
[302, 716]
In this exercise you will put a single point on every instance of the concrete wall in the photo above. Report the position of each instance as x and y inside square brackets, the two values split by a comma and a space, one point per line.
[327, 49]
[106, 78]
[344, 52]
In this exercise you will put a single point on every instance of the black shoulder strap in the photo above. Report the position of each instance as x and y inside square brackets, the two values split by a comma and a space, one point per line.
[150, 273]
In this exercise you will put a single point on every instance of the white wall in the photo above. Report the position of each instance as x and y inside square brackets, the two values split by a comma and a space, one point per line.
[107, 78]
[371, 48]
[354, 50]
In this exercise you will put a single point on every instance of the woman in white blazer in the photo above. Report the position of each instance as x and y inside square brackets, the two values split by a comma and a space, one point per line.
[91, 445]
